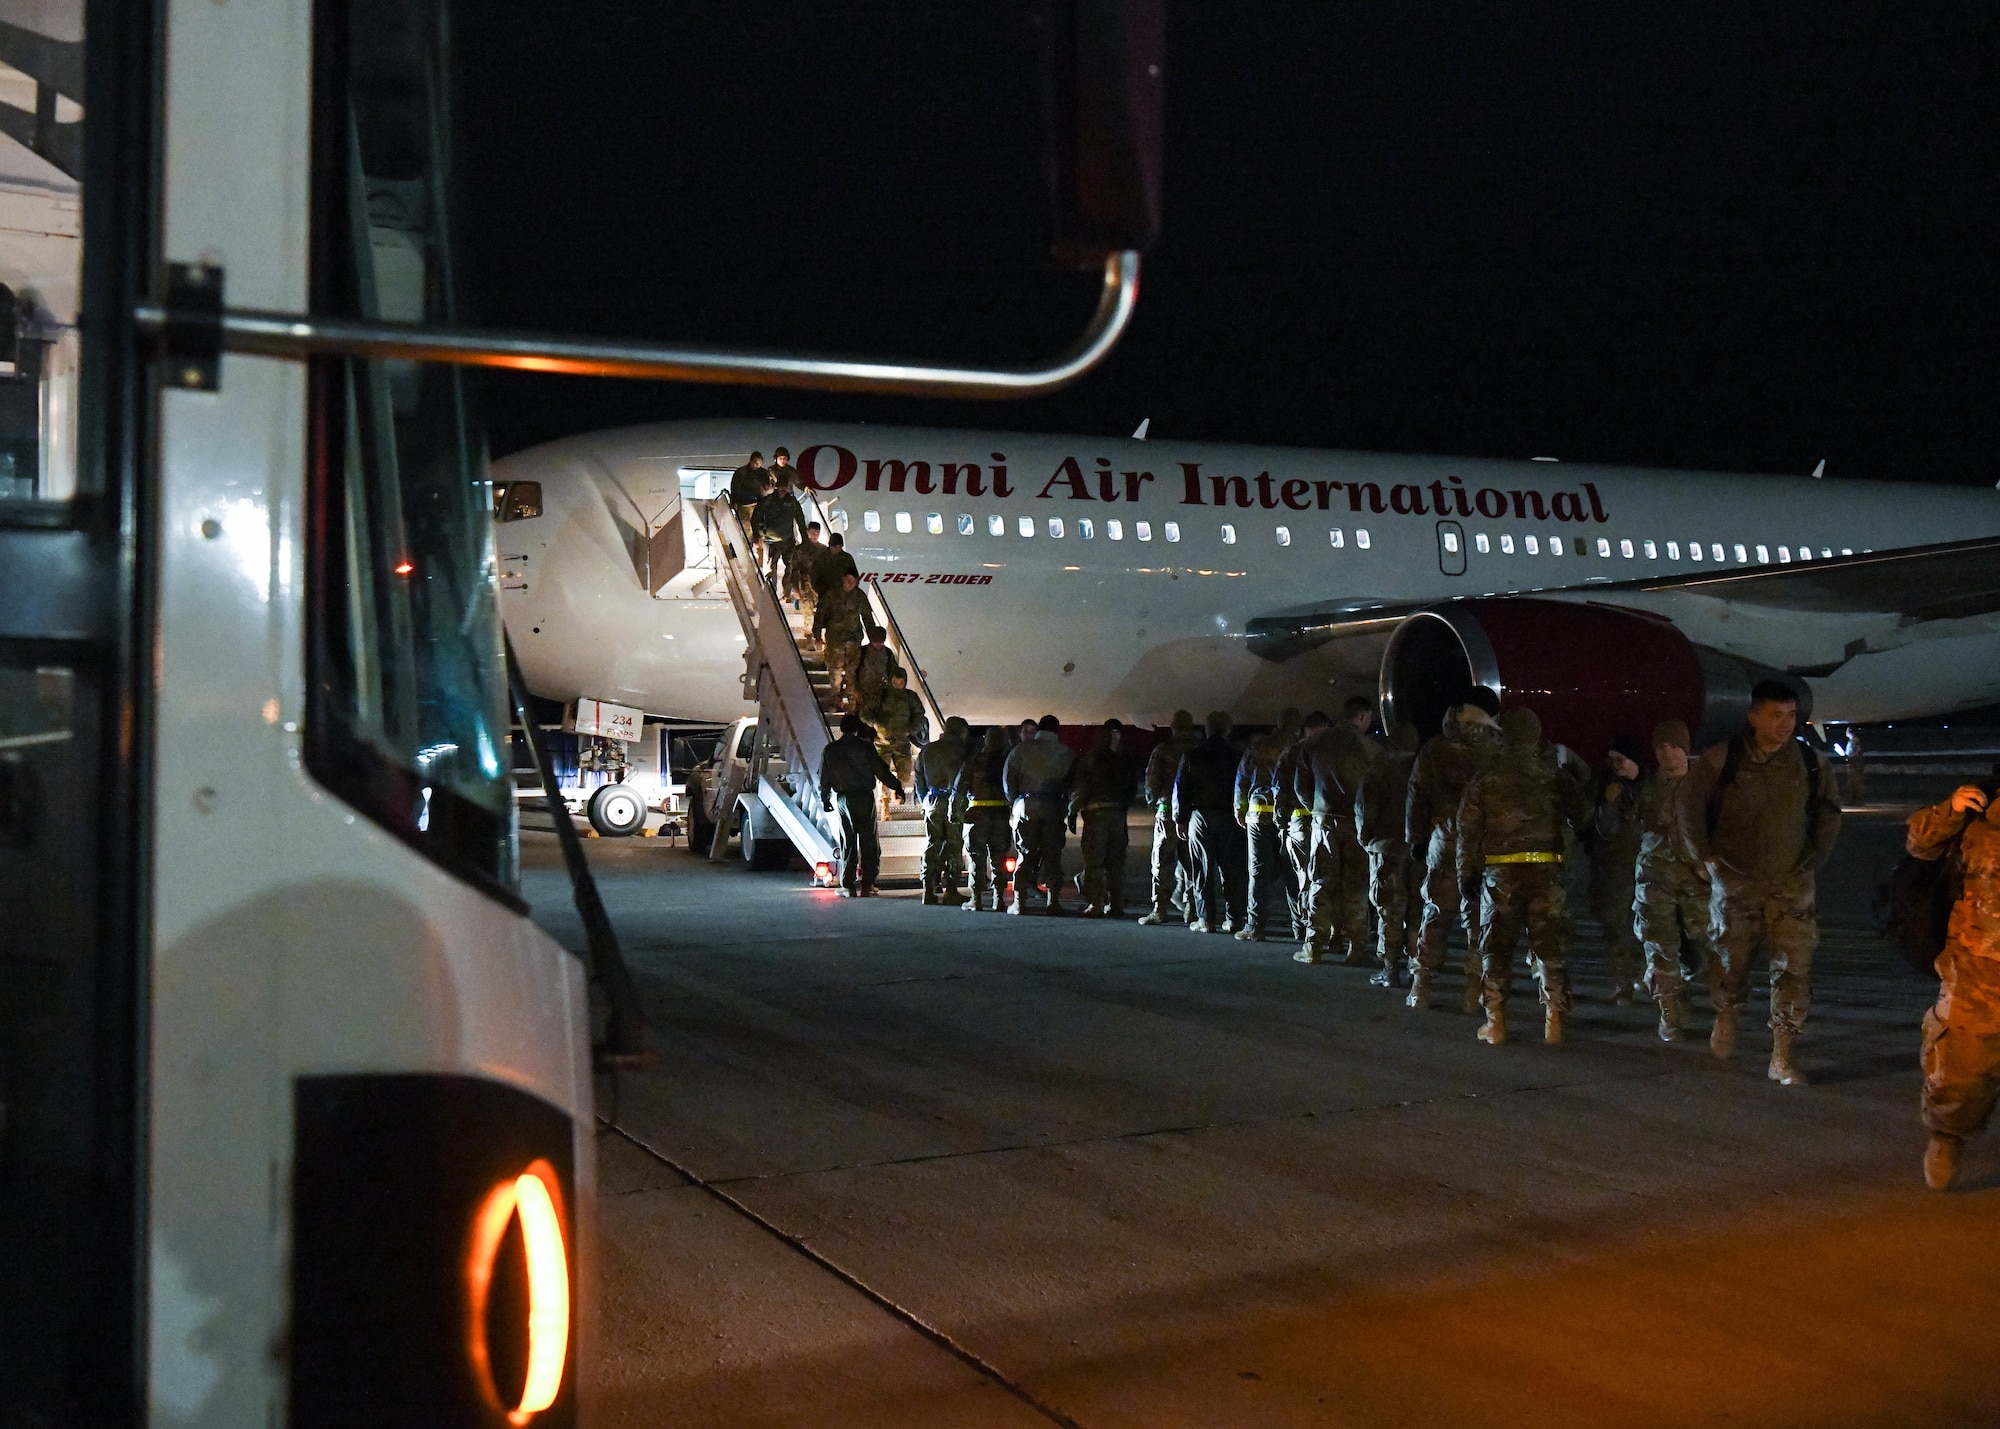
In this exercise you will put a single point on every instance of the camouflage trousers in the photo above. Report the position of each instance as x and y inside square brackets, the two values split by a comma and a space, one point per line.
[1039, 835]
[1298, 854]
[841, 658]
[1614, 898]
[1220, 864]
[944, 848]
[1337, 896]
[1780, 920]
[1170, 864]
[1103, 841]
[898, 755]
[1393, 895]
[1444, 900]
[1961, 1056]
[1270, 905]
[1671, 921]
[1514, 896]
[986, 843]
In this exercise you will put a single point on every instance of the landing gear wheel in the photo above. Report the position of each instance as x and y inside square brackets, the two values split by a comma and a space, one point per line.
[617, 811]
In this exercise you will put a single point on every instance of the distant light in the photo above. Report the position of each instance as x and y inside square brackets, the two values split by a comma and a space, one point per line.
[403, 567]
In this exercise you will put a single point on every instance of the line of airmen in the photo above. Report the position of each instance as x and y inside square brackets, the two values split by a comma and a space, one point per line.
[1368, 850]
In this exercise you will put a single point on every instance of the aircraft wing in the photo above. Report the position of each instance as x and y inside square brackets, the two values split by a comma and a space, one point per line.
[1951, 581]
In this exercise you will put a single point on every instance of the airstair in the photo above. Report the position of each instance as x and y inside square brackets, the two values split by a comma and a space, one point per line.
[797, 717]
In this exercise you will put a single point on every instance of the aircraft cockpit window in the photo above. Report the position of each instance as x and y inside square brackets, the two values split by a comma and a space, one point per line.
[1086, 529]
[871, 520]
[517, 500]
[996, 525]
[1506, 545]
[1114, 530]
[1143, 530]
[966, 525]
[1228, 534]
[934, 523]
[1028, 526]
[1534, 544]
[1055, 528]
[1173, 530]
[1284, 534]
[1336, 538]
[903, 523]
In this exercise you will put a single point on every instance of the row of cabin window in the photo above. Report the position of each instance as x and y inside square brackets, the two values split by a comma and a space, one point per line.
[1086, 527]
[1114, 529]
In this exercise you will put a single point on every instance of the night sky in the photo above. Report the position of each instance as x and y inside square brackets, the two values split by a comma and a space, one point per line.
[1699, 235]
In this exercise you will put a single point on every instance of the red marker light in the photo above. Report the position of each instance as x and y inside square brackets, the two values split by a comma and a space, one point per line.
[403, 568]
[823, 875]
[1011, 862]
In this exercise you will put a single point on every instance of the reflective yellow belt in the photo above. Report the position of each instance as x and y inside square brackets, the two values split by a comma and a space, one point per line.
[1537, 857]
[988, 804]
[1257, 808]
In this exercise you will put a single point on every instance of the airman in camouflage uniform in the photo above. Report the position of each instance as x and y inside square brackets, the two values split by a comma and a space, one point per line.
[841, 620]
[1170, 854]
[872, 669]
[937, 769]
[1100, 796]
[1332, 765]
[1614, 853]
[1671, 918]
[1762, 811]
[1037, 777]
[979, 801]
[1510, 842]
[897, 715]
[1297, 819]
[1961, 1056]
[1444, 766]
[1257, 805]
[1378, 819]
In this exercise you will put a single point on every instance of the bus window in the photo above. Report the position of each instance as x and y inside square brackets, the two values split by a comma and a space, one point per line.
[408, 710]
[517, 500]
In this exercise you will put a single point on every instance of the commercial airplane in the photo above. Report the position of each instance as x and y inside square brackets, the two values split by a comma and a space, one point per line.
[1097, 578]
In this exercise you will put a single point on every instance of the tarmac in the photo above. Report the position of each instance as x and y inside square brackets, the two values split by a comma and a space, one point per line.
[896, 1165]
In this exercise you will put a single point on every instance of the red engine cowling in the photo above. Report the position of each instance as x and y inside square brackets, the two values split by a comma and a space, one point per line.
[1592, 672]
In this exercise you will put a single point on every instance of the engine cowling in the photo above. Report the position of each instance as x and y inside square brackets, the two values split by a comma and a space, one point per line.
[1592, 672]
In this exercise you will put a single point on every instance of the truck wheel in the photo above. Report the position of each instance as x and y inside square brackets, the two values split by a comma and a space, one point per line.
[617, 811]
[765, 855]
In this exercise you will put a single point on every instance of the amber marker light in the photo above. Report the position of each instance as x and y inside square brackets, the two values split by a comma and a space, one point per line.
[530, 1198]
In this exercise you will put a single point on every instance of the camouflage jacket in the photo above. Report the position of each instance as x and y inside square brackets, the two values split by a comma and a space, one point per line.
[1445, 765]
[895, 715]
[843, 616]
[1663, 859]
[1975, 918]
[1522, 802]
[1379, 805]
[1103, 776]
[1764, 829]
[1331, 766]
[1165, 763]
[980, 780]
[1614, 833]
[938, 766]
[1257, 776]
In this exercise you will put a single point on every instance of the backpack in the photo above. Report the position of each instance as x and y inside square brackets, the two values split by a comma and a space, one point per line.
[1913, 909]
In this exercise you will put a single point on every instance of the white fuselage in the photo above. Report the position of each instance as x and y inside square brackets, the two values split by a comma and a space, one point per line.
[1093, 578]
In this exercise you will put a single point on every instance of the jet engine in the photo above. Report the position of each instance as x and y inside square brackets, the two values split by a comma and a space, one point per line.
[1592, 672]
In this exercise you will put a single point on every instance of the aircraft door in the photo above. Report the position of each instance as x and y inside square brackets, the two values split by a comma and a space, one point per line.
[1451, 548]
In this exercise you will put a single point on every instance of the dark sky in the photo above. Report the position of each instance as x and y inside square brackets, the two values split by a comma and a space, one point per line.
[1687, 234]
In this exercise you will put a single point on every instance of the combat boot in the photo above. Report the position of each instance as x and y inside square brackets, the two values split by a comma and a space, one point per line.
[1494, 1032]
[1419, 997]
[1468, 1001]
[975, 904]
[1621, 993]
[1248, 934]
[1673, 1018]
[1722, 1036]
[1198, 926]
[951, 898]
[1307, 953]
[1155, 919]
[1941, 1160]
[1054, 906]
[931, 898]
[1018, 906]
[1782, 1070]
[1552, 1027]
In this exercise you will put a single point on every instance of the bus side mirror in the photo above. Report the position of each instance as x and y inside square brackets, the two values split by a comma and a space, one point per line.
[1105, 62]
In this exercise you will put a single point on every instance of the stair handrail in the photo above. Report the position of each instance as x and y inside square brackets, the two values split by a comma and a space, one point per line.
[781, 683]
